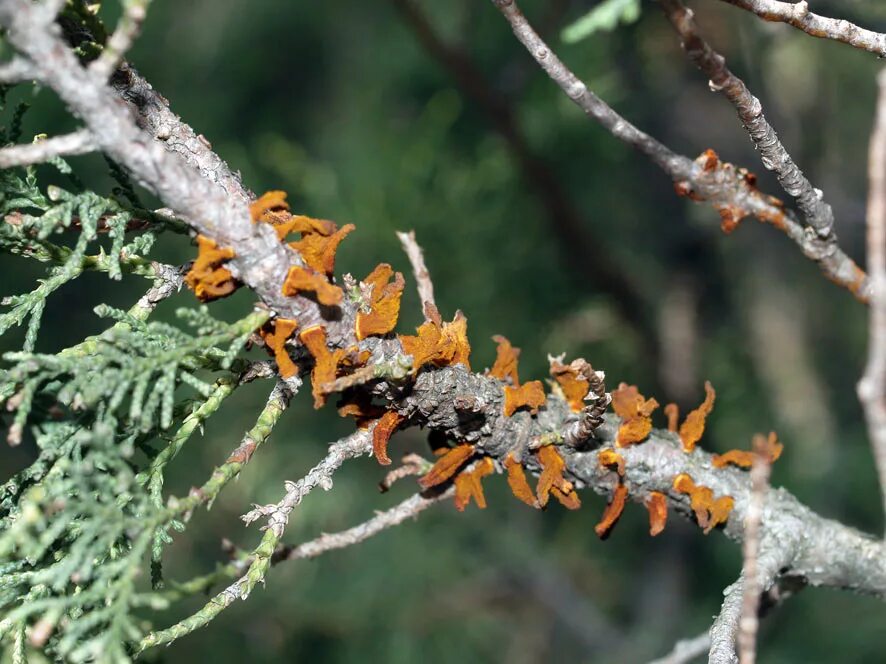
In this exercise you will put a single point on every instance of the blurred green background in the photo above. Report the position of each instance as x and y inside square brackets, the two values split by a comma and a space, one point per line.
[430, 116]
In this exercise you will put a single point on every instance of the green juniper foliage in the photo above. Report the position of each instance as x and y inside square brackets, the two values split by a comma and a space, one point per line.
[83, 523]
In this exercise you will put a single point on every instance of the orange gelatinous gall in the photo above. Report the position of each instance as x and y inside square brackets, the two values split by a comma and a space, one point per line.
[572, 380]
[326, 363]
[384, 303]
[529, 395]
[769, 447]
[692, 428]
[207, 278]
[657, 505]
[271, 207]
[709, 512]
[275, 335]
[386, 426]
[359, 406]
[610, 459]
[569, 500]
[318, 251]
[468, 486]
[447, 465]
[518, 483]
[612, 512]
[506, 357]
[441, 344]
[551, 477]
[302, 279]
[635, 411]
[672, 412]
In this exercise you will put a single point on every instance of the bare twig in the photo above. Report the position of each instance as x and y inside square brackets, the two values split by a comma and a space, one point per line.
[17, 70]
[419, 269]
[409, 508]
[77, 142]
[686, 650]
[731, 191]
[798, 15]
[872, 386]
[750, 602]
[817, 213]
[128, 28]
[277, 515]
[410, 465]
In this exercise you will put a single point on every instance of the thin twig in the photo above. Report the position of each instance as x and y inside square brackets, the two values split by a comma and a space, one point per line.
[872, 386]
[409, 508]
[77, 142]
[686, 650]
[817, 213]
[419, 269]
[17, 70]
[750, 602]
[798, 15]
[728, 189]
[260, 558]
[128, 28]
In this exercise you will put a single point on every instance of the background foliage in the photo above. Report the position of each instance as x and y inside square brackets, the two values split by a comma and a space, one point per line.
[338, 104]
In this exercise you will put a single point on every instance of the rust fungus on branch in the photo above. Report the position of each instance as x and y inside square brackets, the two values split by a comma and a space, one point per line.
[438, 343]
[274, 334]
[386, 426]
[506, 360]
[635, 410]
[551, 480]
[207, 277]
[358, 404]
[529, 395]
[467, 484]
[327, 363]
[672, 412]
[447, 465]
[657, 505]
[383, 304]
[611, 459]
[318, 250]
[573, 380]
[613, 511]
[709, 512]
[692, 428]
[302, 279]
[768, 446]
[518, 483]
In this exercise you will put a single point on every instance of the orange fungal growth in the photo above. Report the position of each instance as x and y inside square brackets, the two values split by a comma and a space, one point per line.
[708, 512]
[318, 251]
[610, 459]
[693, 426]
[657, 505]
[506, 357]
[529, 395]
[207, 278]
[769, 447]
[551, 480]
[635, 411]
[272, 208]
[612, 512]
[359, 406]
[467, 484]
[672, 412]
[384, 303]
[447, 465]
[302, 279]
[275, 335]
[438, 343]
[518, 483]
[572, 380]
[386, 426]
[327, 363]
